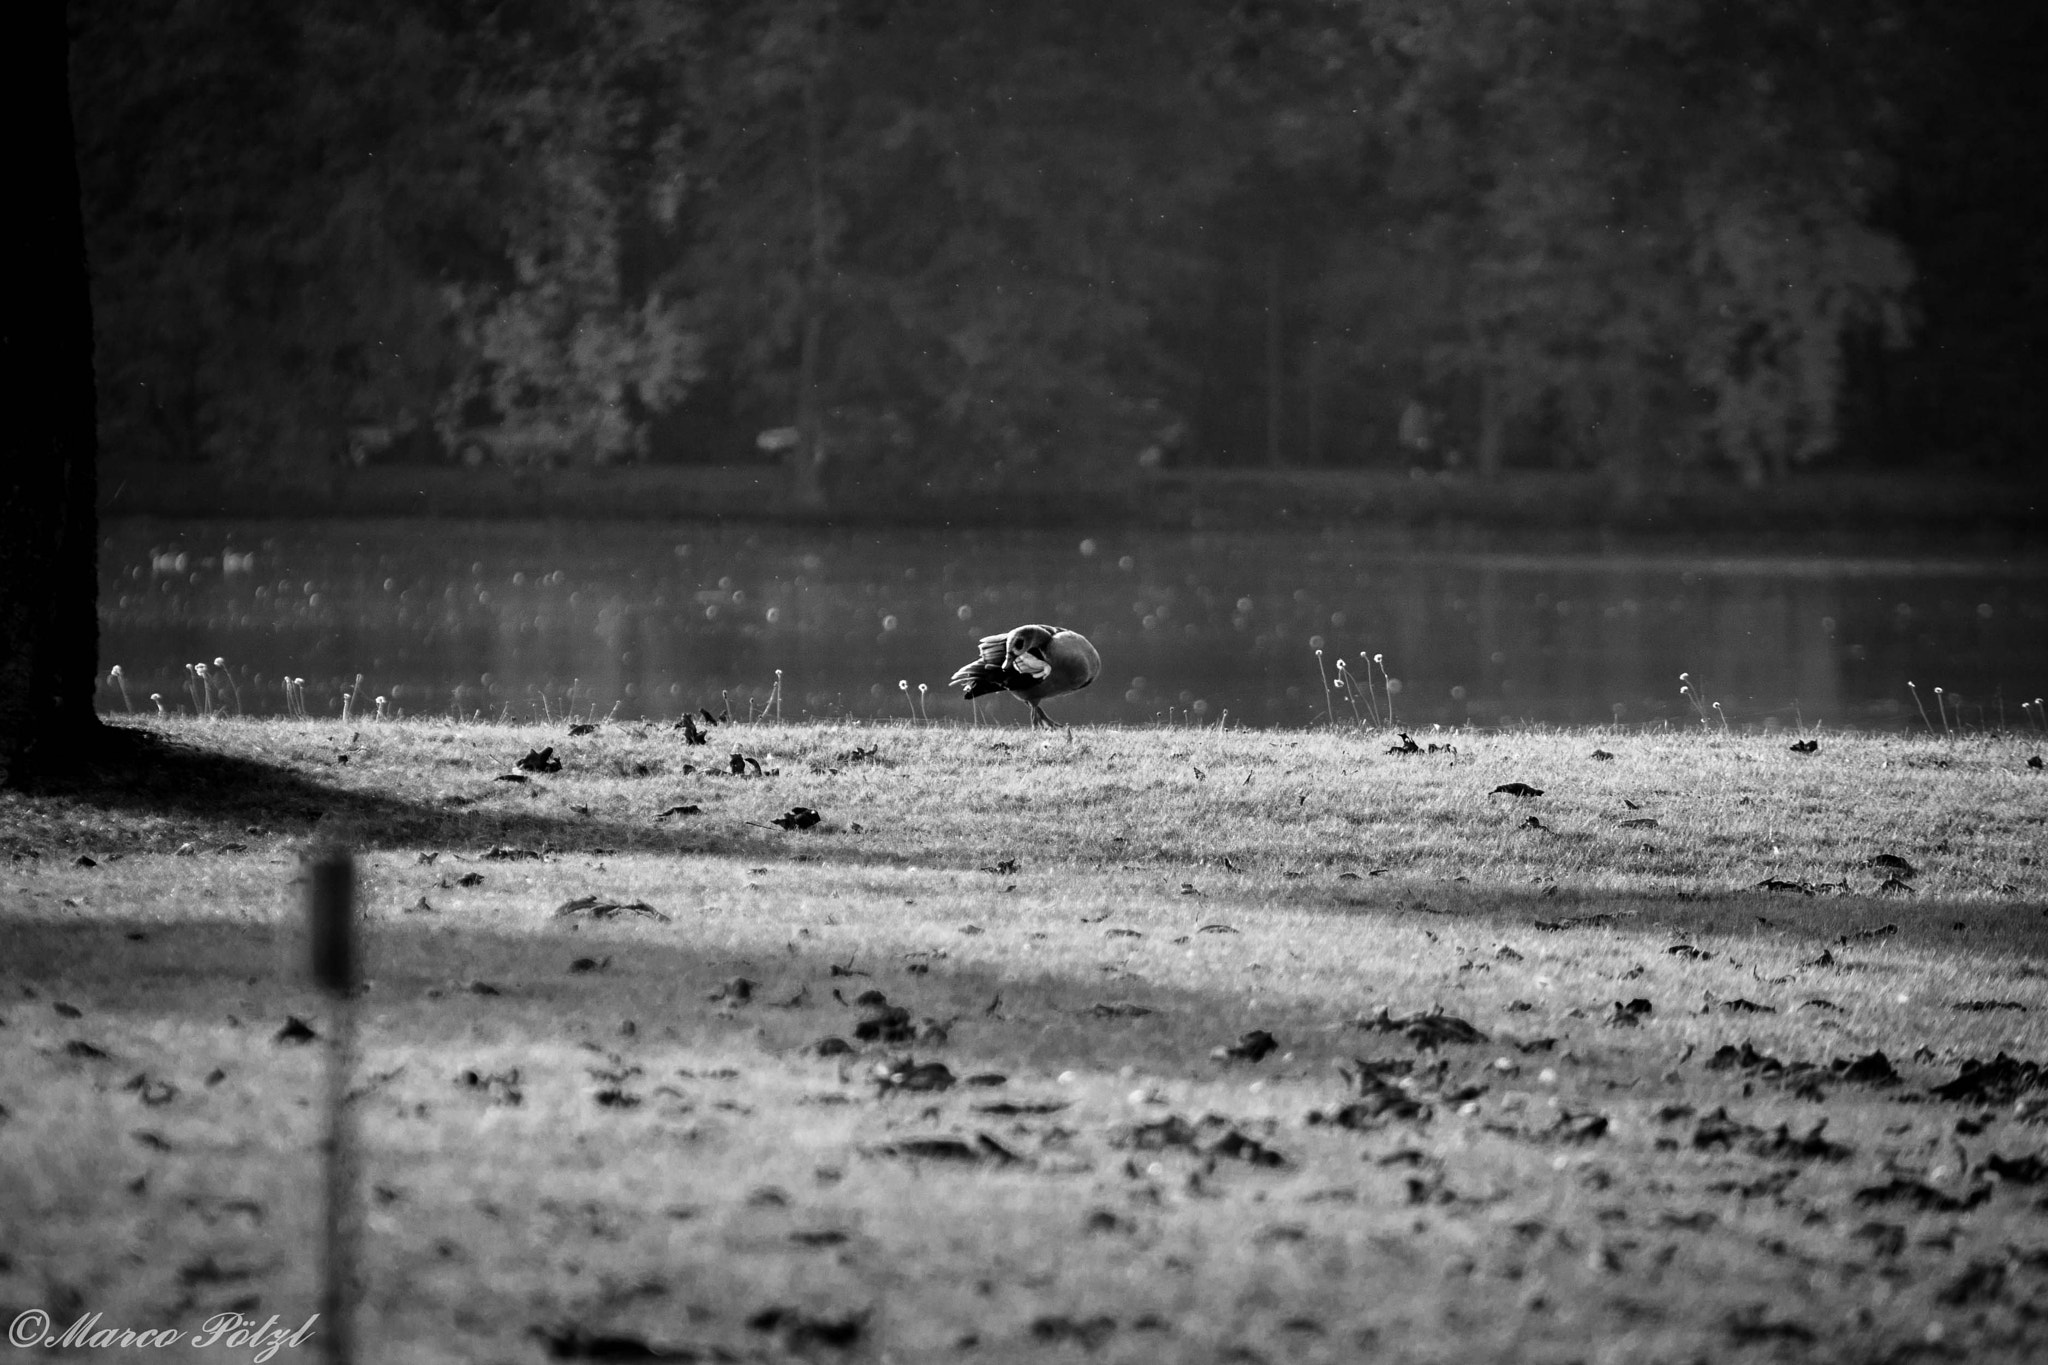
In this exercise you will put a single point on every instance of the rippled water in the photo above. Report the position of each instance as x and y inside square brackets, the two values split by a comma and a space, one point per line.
[437, 616]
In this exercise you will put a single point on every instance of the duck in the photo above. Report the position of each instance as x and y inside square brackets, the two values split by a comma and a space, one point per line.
[1033, 664]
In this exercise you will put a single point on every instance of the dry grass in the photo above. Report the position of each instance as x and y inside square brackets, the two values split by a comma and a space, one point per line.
[1045, 910]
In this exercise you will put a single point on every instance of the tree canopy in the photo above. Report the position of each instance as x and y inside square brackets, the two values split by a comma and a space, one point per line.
[922, 241]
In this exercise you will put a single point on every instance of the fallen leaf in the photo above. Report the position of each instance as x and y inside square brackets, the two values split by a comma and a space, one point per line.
[1516, 789]
[597, 907]
[1251, 1047]
[296, 1032]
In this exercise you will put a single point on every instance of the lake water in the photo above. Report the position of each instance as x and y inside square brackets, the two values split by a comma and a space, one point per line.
[438, 616]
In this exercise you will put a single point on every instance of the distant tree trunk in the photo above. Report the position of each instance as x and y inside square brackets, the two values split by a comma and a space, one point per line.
[49, 525]
[1314, 383]
[1274, 373]
[1493, 424]
[1624, 431]
[807, 457]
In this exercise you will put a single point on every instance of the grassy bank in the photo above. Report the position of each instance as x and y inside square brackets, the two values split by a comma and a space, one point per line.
[1550, 1077]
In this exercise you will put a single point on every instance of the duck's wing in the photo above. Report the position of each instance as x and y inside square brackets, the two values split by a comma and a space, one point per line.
[990, 670]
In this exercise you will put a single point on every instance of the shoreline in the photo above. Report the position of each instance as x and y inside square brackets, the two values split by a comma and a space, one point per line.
[1812, 514]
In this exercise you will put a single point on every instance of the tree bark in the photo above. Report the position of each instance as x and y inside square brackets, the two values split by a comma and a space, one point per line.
[49, 523]
[1275, 400]
[807, 457]
[1493, 424]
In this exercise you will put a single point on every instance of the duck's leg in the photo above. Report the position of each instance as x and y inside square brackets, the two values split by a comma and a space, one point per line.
[1038, 717]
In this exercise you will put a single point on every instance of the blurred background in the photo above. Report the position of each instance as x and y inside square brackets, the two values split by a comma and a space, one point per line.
[518, 358]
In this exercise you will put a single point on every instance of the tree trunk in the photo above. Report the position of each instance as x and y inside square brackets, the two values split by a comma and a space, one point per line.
[1274, 401]
[49, 524]
[807, 457]
[1493, 425]
[1314, 380]
[1623, 433]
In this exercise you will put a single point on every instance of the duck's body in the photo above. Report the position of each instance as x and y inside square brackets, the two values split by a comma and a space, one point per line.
[1033, 664]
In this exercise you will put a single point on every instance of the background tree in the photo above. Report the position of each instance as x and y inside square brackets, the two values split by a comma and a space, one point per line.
[987, 247]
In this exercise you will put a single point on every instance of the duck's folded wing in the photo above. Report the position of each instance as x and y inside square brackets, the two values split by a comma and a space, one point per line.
[995, 650]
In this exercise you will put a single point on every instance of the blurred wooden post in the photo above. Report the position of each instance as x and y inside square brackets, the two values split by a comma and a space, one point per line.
[336, 970]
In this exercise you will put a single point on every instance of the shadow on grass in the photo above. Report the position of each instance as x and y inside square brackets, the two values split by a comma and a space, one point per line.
[627, 986]
[140, 773]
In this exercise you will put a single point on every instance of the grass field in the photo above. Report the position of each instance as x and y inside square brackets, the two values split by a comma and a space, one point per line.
[1548, 1078]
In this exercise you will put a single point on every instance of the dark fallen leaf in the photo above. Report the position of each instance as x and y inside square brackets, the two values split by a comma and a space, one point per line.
[885, 1024]
[1779, 1144]
[1983, 1281]
[797, 817]
[483, 988]
[1745, 1058]
[1120, 1009]
[819, 1237]
[1780, 884]
[1805, 746]
[1629, 1015]
[1251, 1047]
[501, 1086]
[590, 964]
[614, 1098]
[1014, 1108]
[1872, 1069]
[1999, 1081]
[2018, 1170]
[1577, 922]
[153, 1140]
[501, 853]
[914, 1076]
[831, 1047]
[1238, 1147]
[1921, 1196]
[1516, 789]
[1602, 756]
[1893, 886]
[1406, 746]
[799, 1331]
[1740, 1006]
[83, 1050]
[1988, 1006]
[929, 1149]
[1088, 1333]
[1377, 1105]
[598, 907]
[296, 1031]
[1426, 1031]
[1641, 822]
[1750, 1325]
[1687, 951]
[1215, 929]
[540, 761]
[679, 810]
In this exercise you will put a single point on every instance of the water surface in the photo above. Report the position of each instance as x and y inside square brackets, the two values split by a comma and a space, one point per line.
[547, 617]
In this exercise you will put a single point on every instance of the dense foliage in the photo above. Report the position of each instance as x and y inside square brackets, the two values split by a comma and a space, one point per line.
[913, 240]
